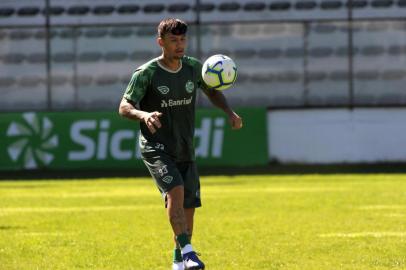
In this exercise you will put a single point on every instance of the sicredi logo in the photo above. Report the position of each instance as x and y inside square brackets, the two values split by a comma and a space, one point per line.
[95, 139]
[33, 142]
[210, 137]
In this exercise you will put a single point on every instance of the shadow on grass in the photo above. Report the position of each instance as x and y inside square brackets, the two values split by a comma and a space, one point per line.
[271, 169]
[6, 227]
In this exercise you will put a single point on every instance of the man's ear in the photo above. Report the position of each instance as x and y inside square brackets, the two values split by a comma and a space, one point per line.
[160, 42]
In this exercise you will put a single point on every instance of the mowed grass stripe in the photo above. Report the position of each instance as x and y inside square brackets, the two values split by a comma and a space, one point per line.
[382, 207]
[365, 234]
[77, 209]
[137, 193]
[83, 194]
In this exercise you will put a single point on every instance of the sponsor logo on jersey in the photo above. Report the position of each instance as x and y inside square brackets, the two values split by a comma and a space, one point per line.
[178, 102]
[190, 86]
[167, 179]
[164, 104]
[163, 89]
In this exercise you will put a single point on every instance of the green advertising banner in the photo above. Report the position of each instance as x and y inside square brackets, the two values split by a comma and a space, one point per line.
[92, 140]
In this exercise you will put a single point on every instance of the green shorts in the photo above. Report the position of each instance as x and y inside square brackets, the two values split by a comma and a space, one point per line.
[168, 174]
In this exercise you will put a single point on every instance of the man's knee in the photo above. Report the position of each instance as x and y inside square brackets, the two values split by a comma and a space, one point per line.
[175, 196]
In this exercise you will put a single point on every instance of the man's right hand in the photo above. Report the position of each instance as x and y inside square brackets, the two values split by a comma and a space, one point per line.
[152, 121]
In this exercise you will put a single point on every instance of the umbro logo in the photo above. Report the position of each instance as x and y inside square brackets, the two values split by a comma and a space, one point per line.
[167, 179]
[163, 89]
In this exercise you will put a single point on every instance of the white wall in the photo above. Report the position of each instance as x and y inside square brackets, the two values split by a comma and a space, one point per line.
[322, 136]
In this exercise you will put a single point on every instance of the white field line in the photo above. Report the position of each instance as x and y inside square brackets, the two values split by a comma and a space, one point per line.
[364, 234]
[383, 207]
[6, 210]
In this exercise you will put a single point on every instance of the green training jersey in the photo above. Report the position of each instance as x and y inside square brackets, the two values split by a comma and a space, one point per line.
[173, 93]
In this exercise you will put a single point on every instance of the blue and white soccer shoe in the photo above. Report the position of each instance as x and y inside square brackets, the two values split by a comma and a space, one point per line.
[192, 262]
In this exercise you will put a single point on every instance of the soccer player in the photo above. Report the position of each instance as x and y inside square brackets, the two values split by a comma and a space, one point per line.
[161, 95]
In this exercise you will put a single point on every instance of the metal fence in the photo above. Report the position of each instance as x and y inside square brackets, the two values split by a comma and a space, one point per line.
[79, 55]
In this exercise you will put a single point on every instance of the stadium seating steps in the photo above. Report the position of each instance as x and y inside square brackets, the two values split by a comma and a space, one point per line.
[312, 84]
[232, 6]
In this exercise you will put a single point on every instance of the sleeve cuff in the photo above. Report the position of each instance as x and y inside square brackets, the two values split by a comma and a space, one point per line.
[128, 97]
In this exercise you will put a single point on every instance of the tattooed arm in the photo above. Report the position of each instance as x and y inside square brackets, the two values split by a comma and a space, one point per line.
[128, 109]
[219, 100]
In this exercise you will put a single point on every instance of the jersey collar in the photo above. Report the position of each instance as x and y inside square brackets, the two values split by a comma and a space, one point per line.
[167, 69]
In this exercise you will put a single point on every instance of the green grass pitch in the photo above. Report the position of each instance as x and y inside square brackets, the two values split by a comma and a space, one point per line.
[246, 222]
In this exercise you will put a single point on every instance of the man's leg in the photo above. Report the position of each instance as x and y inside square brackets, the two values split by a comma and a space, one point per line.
[180, 226]
[177, 220]
[177, 254]
[177, 257]
[189, 214]
[175, 210]
[170, 184]
[191, 185]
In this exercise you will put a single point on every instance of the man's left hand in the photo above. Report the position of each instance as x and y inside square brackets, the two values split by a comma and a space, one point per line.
[235, 121]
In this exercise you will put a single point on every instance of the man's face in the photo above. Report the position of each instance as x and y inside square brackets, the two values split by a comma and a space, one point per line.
[174, 46]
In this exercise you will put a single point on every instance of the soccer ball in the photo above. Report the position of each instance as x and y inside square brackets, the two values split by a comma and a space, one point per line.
[219, 72]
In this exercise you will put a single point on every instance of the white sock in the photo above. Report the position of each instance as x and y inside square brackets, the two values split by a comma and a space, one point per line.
[177, 266]
[186, 249]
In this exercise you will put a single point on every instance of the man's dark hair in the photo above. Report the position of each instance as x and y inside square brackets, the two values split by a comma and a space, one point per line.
[173, 26]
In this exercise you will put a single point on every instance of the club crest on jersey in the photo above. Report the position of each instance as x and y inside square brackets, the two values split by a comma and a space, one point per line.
[163, 89]
[190, 86]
